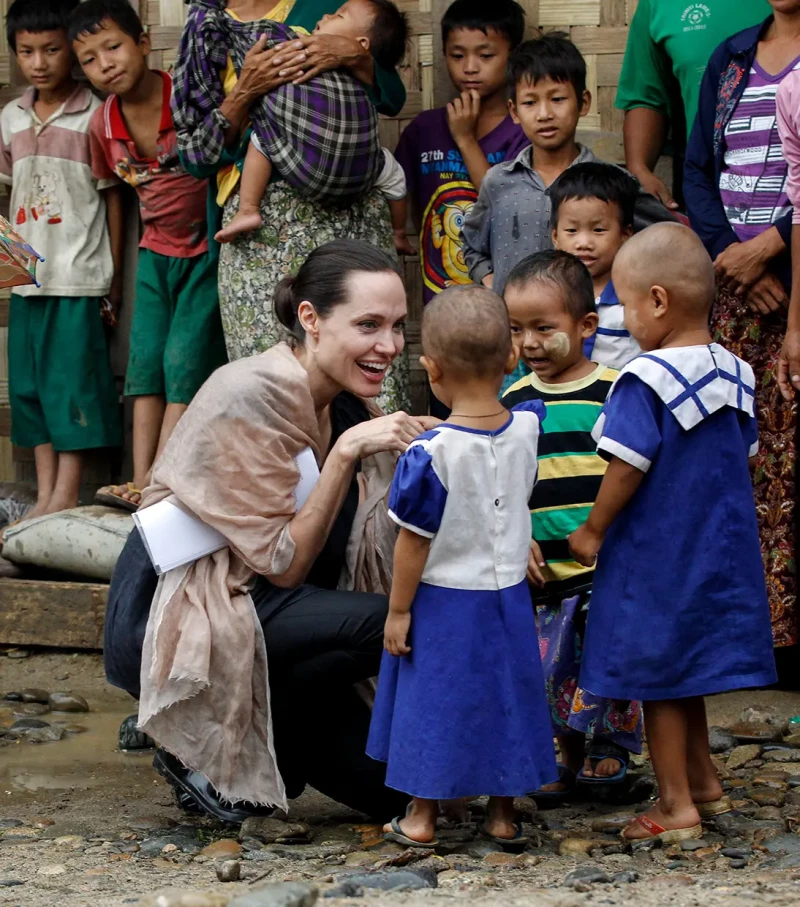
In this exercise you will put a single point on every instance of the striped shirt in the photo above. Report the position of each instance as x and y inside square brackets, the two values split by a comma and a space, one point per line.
[611, 344]
[570, 469]
[753, 181]
[56, 203]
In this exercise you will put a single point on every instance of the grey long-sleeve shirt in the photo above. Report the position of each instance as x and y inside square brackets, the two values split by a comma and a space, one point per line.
[511, 218]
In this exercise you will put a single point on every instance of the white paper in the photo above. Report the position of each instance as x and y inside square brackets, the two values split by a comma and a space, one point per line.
[174, 537]
[309, 473]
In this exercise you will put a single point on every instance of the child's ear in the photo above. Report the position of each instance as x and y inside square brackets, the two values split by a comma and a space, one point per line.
[512, 109]
[585, 103]
[145, 44]
[364, 42]
[432, 368]
[590, 323]
[627, 232]
[513, 360]
[659, 298]
[554, 237]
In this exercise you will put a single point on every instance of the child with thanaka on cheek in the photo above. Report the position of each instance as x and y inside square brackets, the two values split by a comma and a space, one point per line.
[553, 316]
[674, 525]
[460, 708]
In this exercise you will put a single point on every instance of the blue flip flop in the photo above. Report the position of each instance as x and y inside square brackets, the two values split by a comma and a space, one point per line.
[555, 797]
[598, 751]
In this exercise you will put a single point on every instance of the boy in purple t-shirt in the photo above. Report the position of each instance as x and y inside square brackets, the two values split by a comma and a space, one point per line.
[446, 152]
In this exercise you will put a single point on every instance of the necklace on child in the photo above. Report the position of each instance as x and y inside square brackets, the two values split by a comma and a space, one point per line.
[470, 416]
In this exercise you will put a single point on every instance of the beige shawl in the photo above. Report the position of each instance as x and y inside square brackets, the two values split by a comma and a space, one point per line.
[230, 461]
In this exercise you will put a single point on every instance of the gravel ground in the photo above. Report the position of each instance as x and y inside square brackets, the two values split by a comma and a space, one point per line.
[83, 824]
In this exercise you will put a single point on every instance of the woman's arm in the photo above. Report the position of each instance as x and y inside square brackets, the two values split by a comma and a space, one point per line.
[644, 132]
[320, 53]
[312, 525]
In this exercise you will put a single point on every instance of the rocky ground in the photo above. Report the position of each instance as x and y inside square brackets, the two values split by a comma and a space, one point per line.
[82, 823]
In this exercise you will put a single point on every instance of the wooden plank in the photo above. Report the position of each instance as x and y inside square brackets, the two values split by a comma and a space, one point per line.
[65, 615]
[609, 67]
[613, 12]
[573, 12]
[610, 40]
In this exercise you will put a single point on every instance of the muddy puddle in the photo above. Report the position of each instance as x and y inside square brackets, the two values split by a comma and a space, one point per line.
[80, 762]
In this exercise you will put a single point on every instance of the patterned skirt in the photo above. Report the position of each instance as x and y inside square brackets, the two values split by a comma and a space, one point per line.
[757, 339]
[251, 267]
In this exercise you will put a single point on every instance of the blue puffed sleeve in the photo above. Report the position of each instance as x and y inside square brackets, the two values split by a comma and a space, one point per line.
[417, 497]
[537, 407]
[628, 425]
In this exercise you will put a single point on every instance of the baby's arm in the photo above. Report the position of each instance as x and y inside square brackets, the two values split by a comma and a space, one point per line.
[410, 557]
[619, 485]
[477, 233]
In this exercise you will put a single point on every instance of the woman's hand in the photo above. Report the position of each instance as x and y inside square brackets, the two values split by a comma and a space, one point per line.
[263, 70]
[393, 432]
[789, 366]
[740, 265]
[656, 186]
[584, 545]
[767, 295]
[312, 54]
[395, 633]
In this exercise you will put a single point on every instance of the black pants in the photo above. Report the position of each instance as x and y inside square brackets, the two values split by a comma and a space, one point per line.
[319, 643]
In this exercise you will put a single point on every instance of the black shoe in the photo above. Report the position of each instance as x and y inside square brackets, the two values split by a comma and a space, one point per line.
[131, 738]
[195, 793]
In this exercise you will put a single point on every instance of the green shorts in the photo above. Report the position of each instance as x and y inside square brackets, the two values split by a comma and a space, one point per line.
[59, 376]
[176, 334]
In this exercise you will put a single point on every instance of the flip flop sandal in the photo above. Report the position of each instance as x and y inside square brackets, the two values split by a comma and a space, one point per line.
[519, 839]
[556, 797]
[396, 836]
[597, 753]
[668, 836]
[106, 496]
[714, 807]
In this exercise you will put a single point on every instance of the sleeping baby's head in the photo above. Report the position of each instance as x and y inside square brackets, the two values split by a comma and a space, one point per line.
[378, 25]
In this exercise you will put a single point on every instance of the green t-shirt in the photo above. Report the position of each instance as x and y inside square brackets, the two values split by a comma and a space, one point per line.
[672, 41]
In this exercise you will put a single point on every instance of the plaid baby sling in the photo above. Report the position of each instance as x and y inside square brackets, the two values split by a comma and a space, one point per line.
[322, 136]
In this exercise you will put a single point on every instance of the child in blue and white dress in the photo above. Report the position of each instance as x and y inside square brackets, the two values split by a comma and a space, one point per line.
[674, 524]
[461, 708]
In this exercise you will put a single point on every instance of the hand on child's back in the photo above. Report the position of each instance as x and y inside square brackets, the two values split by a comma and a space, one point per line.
[462, 115]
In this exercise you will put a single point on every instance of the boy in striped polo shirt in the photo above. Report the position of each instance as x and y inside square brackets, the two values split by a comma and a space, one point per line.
[551, 304]
[61, 387]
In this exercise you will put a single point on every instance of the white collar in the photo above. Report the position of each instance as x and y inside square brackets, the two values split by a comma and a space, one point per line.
[694, 382]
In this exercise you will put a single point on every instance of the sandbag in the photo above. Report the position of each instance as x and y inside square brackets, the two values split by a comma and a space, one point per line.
[85, 541]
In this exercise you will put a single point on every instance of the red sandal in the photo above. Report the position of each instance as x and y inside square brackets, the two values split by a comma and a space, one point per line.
[668, 836]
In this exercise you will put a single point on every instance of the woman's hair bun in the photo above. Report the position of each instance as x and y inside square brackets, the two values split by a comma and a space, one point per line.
[284, 305]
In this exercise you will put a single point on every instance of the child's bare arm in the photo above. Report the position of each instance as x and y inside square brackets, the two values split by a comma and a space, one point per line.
[399, 211]
[410, 557]
[618, 487]
[114, 217]
[462, 119]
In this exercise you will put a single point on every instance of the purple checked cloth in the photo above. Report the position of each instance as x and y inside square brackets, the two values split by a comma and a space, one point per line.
[322, 136]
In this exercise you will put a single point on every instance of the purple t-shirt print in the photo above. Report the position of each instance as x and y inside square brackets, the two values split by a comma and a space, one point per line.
[439, 184]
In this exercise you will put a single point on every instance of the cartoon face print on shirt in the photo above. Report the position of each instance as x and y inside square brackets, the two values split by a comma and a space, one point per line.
[43, 201]
[442, 245]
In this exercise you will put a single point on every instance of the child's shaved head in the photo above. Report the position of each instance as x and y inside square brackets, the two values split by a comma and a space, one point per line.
[466, 330]
[673, 257]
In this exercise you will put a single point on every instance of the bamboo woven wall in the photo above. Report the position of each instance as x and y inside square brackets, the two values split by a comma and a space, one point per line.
[598, 27]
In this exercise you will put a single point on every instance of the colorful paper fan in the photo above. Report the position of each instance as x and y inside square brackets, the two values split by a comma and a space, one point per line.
[17, 259]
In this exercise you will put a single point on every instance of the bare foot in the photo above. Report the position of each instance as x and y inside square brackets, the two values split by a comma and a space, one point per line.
[556, 787]
[708, 793]
[686, 817]
[416, 827]
[243, 222]
[501, 828]
[605, 768]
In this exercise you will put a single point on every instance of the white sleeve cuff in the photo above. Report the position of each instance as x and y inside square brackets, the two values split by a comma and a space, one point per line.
[753, 450]
[624, 453]
[415, 529]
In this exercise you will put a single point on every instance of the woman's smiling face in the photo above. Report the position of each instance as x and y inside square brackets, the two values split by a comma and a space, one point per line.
[356, 343]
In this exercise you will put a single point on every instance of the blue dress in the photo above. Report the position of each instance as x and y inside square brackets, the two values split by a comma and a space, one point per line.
[679, 603]
[465, 714]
